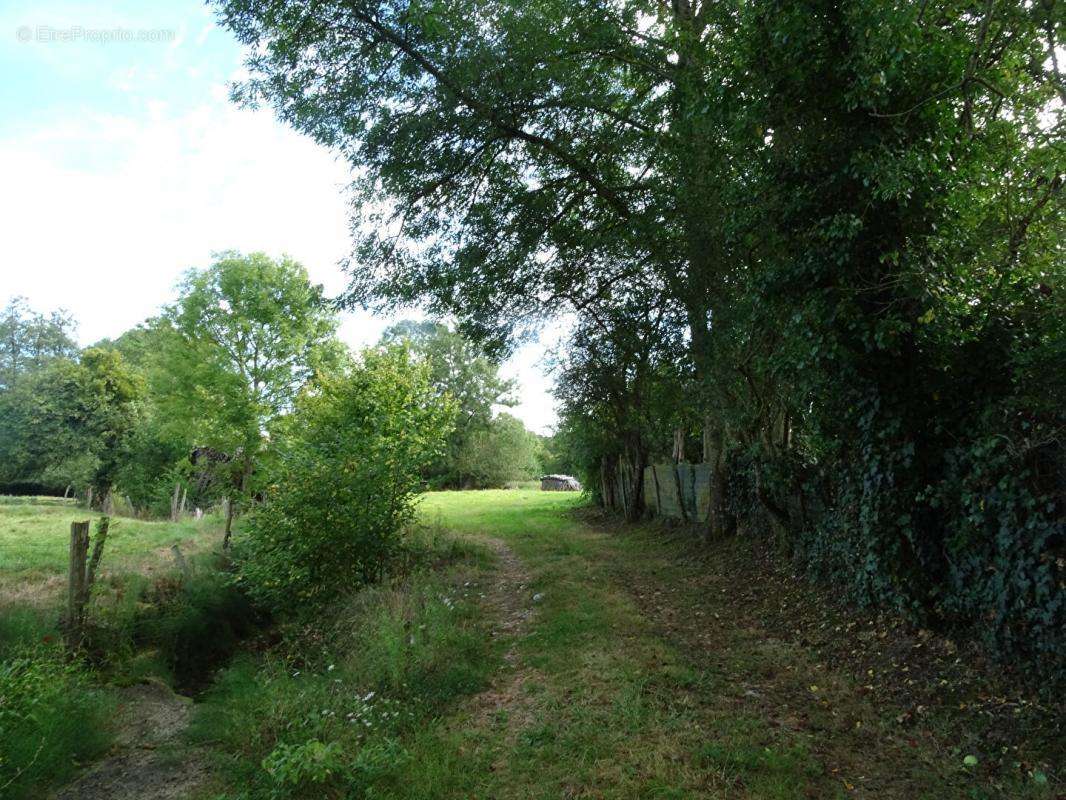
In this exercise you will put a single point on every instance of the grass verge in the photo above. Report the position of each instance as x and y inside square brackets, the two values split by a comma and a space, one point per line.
[52, 716]
[330, 709]
[147, 618]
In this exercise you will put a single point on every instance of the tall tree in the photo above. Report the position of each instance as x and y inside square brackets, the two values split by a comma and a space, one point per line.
[245, 335]
[28, 339]
[155, 472]
[620, 384]
[533, 157]
[494, 455]
[69, 423]
[855, 208]
[462, 371]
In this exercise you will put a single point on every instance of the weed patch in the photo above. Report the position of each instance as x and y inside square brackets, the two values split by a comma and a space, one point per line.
[51, 718]
[328, 711]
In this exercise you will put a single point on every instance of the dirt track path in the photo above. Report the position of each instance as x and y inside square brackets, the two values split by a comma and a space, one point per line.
[149, 762]
[509, 601]
[649, 667]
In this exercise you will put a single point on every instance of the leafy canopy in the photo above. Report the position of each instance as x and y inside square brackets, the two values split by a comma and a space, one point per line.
[245, 335]
[29, 339]
[463, 373]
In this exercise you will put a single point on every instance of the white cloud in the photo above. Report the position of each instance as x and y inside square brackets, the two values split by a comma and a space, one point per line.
[104, 212]
[536, 406]
[205, 31]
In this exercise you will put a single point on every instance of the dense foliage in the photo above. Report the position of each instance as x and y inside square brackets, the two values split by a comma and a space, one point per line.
[485, 448]
[176, 408]
[846, 216]
[28, 339]
[342, 482]
[244, 337]
[499, 453]
[67, 424]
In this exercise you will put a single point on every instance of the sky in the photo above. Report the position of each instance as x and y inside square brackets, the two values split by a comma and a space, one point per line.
[123, 163]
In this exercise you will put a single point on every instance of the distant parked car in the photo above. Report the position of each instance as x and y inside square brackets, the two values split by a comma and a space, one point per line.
[559, 483]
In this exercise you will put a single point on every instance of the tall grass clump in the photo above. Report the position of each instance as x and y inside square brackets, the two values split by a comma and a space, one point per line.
[51, 717]
[331, 709]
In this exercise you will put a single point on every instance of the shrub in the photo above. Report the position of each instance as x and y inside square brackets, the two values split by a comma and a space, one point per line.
[346, 468]
[294, 766]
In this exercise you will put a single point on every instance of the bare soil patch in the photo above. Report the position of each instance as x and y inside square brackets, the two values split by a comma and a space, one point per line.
[149, 762]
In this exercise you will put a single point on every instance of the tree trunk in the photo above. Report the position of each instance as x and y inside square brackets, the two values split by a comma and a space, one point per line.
[633, 483]
[102, 527]
[242, 487]
[658, 491]
[779, 519]
[720, 523]
[174, 502]
[229, 523]
[606, 485]
[622, 486]
[679, 446]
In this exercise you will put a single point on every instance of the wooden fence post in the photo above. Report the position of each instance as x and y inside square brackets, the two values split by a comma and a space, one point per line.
[81, 574]
[79, 549]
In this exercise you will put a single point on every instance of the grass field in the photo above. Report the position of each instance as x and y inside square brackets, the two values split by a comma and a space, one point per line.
[639, 677]
[511, 513]
[602, 704]
[531, 649]
[35, 538]
[581, 660]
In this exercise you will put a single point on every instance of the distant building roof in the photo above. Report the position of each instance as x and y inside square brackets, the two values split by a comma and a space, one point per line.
[560, 482]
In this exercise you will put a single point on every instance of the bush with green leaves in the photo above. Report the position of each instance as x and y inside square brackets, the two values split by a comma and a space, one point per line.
[332, 708]
[344, 473]
[501, 452]
[292, 766]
